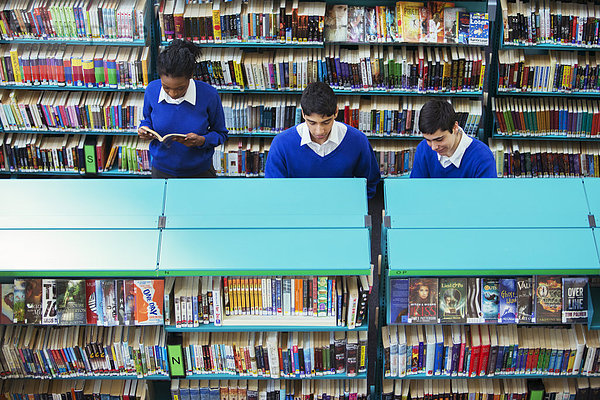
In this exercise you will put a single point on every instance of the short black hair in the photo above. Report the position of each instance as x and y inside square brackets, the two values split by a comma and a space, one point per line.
[436, 114]
[318, 98]
[178, 59]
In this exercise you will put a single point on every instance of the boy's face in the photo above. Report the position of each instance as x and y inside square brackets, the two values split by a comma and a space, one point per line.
[444, 142]
[319, 126]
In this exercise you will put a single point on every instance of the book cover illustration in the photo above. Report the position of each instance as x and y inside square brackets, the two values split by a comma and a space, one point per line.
[437, 10]
[450, 23]
[424, 26]
[411, 25]
[356, 24]
[398, 301]
[129, 289]
[336, 23]
[149, 302]
[33, 301]
[392, 27]
[479, 29]
[370, 24]
[508, 301]
[474, 314]
[8, 301]
[423, 300]
[90, 302]
[49, 316]
[71, 301]
[109, 302]
[575, 300]
[120, 295]
[453, 300]
[490, 299]
[19, 301]
[462, 28]
[548, 299]
[524, 300]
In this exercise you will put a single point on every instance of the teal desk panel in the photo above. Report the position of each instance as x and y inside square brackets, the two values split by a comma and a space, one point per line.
[486, 203]
[234, 252]
[592, 190]
[78, 252]
[502, 252]
[81, 203]
[266, 203]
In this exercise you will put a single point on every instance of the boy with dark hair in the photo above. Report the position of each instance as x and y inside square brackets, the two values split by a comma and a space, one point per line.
[322, 147]
[447, 152]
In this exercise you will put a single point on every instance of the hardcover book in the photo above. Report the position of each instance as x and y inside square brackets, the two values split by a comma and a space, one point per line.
[453, 300]
[71, 301]
[548, 299]
[33, 301]
[474, 314]
[8, 300]
[575, 296]
[49, 316]
[356, 24]
[524, 300]
[490, 299]
[508, 301]
[398, 301]
[423, 300]
[149, 302]
[336, 23]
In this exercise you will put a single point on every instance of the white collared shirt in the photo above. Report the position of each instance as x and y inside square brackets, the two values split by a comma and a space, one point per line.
[190, 95]
[456, 158]
[337, 134]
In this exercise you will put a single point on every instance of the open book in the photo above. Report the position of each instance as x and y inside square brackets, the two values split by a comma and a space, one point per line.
[162, 138]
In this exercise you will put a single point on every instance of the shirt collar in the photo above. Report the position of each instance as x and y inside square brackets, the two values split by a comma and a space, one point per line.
[190, 95]
[335, 136]
[456, 158]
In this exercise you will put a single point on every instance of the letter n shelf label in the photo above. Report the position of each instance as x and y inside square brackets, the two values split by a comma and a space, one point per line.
[176, 362]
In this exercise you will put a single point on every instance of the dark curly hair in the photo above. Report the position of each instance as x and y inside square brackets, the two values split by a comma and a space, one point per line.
[178, 59]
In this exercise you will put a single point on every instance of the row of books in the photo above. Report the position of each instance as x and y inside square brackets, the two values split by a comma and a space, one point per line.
[28, 351]
[540, 22]
[243, 157]
[554, 72]
[78, 66]
[543, 159]
[194, 389]
[491, 389]
[433, 22]
[73, 111]
[539, 299]
[547, 116]
[395, 157]
[425, 69]
[204, 300]
[105, 302]
[489, 350]
[275, 354]
[96, 19]
[89, 389]
[74, 153]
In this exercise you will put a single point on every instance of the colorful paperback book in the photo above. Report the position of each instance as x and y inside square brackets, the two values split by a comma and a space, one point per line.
[453, 300]
[336, 23]
[398, 301]
[109, 293]
[426, 29]
[90, 302]
[437, 9]
[548, 299]
[8, 301]
[149, 301]
[462, 27]
[49, 316]
[423, 300]
[71, 301]
[33, 301]
[370, 24]
[524, 300]
[19, 304]
[474, 314]
[507, 288]
[411, 25]
[575, 300]
[479, 29]
[490, 299]
[356, 24]
[450, 23]
[129, 289]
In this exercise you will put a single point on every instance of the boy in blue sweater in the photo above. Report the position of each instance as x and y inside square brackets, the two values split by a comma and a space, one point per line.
[322, 147]
[447, 152]
[176, 103]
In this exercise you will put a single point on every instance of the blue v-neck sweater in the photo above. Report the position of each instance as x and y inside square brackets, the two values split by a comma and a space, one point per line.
[477, 162]
[353, 157]
[206, 118]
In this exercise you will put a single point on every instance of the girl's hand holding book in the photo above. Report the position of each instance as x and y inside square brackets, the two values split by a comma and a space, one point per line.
[190, 140]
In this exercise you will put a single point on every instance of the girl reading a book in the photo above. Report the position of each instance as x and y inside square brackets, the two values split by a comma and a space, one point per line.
[178, 104]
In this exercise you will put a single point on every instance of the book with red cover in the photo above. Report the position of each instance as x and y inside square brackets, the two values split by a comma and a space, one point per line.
[475, 351]
[484, 334]
[90, 302]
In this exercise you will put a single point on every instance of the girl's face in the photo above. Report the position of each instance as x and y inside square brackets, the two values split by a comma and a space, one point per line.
[423, 292]
[175, 87]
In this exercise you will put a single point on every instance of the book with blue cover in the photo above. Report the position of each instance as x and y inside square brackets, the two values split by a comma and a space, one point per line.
[398, 309]
[490, 299]
[507, 288]
[524, 300]
[479, 29]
